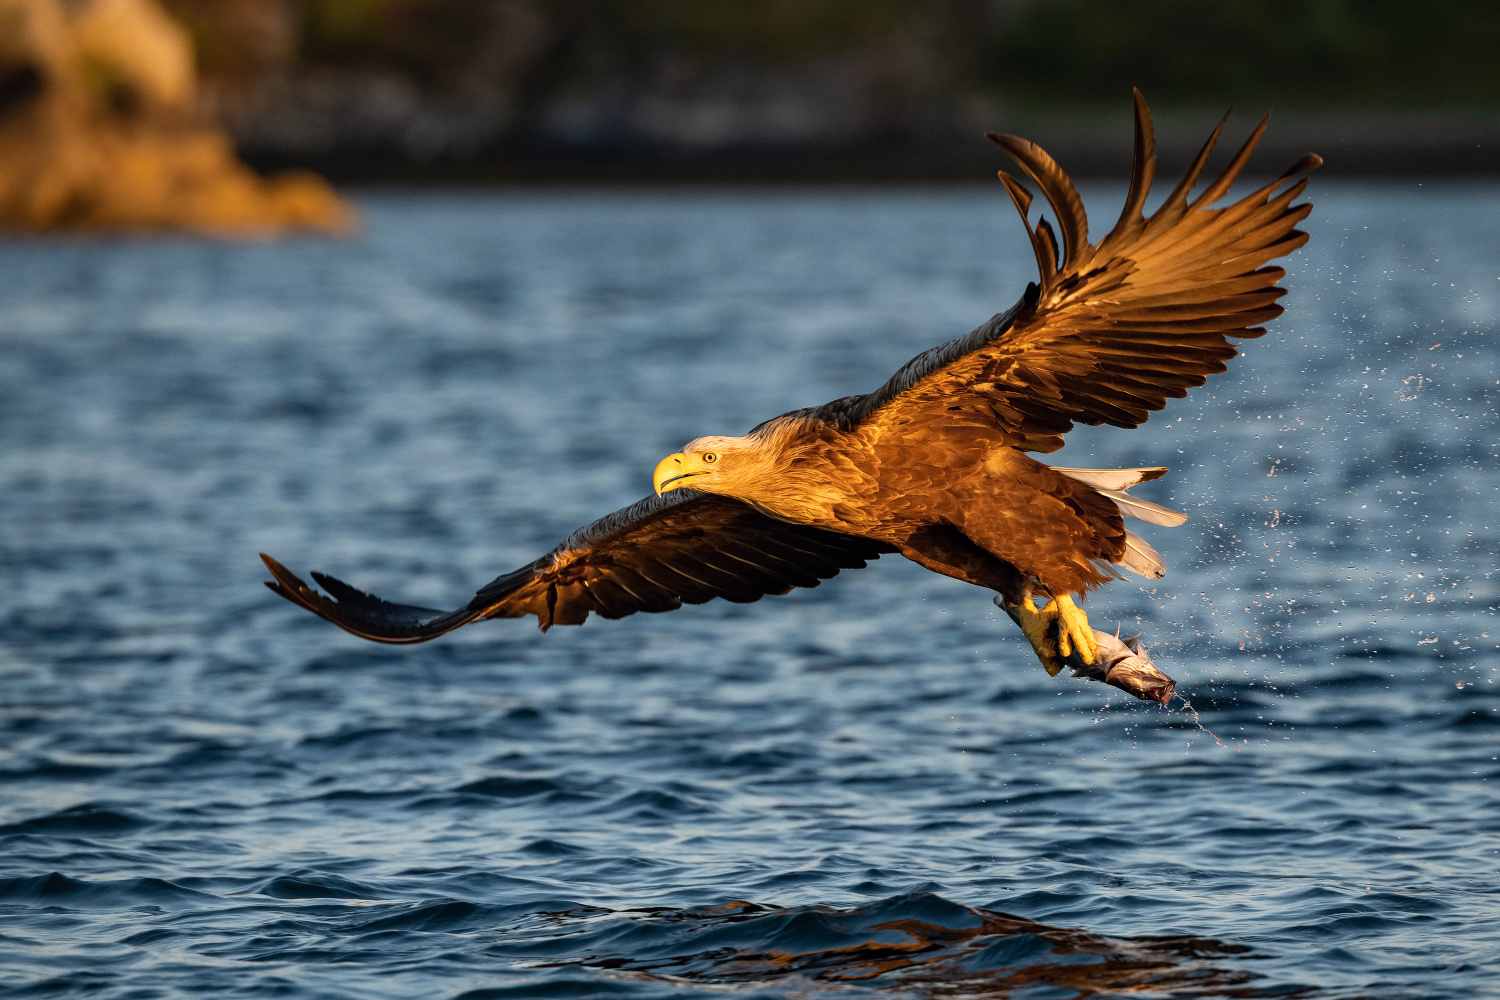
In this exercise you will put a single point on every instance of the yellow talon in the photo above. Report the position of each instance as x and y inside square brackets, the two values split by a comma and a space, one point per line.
[1073, 630]
[1034, 626]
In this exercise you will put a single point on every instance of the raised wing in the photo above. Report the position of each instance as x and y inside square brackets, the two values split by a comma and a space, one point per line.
[655, 555]
[1116, 328]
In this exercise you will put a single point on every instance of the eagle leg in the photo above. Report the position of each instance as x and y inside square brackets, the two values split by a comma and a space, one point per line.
[1072, 630]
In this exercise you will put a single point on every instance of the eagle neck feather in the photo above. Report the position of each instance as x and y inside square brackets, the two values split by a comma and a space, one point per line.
[799, 477]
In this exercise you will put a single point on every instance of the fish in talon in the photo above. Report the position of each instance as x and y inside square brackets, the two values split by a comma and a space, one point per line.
[1125, 664]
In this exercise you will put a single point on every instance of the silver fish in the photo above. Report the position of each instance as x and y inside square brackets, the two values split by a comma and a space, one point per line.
[1125, 664]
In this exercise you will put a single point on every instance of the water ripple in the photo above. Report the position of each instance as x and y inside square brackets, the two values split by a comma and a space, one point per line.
[864, 789]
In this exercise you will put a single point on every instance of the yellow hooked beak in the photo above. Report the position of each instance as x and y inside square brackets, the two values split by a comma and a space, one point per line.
[672, 472]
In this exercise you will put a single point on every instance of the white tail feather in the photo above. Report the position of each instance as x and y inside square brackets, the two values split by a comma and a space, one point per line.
[1107, 568]
[1144, 510]
[1141, 558]
[1110, 479]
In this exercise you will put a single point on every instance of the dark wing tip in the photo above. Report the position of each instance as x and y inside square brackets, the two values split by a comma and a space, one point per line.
[277, 588]
[363, 614]
[289, 585]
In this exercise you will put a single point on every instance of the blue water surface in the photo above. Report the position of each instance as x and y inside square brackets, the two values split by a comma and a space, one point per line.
[870, 788]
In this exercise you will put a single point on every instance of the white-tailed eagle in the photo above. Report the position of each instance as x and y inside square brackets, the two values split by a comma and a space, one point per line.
[934, 463]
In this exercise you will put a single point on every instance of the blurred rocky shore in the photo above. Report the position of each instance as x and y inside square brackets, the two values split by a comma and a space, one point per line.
[482, 91]
[101, 128]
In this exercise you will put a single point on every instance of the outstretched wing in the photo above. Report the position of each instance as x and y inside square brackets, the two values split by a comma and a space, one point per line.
[1114, 328]
[655, 555]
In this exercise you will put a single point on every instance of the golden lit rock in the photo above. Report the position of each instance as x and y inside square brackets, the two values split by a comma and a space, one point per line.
[98, 130]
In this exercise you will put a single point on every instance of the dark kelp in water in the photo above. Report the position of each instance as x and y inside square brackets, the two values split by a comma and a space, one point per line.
[918, 942]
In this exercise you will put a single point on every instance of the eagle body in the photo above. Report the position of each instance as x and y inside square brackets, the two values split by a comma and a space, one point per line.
[945, 494]
[936, 464]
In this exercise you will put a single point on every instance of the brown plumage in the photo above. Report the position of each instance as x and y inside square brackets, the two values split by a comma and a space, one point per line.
[933, 464]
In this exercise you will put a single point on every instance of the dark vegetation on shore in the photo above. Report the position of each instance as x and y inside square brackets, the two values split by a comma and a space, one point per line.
[443, 91]
[839, 89]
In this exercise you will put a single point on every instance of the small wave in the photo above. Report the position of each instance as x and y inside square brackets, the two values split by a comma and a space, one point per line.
[447, 915]
[653, 804]
[57, 889]
[317, 885]
[357, 795]
[548, 848]
[1483, 718]
[48, 770]
[351, 736]
[505, 790]
[502, 787]
[1010, 952]
[353, 660]
[88, 817]
[753, 761]
[524, 715]
[1375, 653]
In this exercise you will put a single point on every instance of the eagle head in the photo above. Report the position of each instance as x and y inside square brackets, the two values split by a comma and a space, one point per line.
[712, 464]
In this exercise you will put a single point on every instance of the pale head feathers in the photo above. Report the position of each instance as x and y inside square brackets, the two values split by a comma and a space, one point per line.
[761, 468]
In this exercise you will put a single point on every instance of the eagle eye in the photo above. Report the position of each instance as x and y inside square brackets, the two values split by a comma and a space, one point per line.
[709, 458]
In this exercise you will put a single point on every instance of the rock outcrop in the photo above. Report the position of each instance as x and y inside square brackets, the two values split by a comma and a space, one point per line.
[100, 128]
